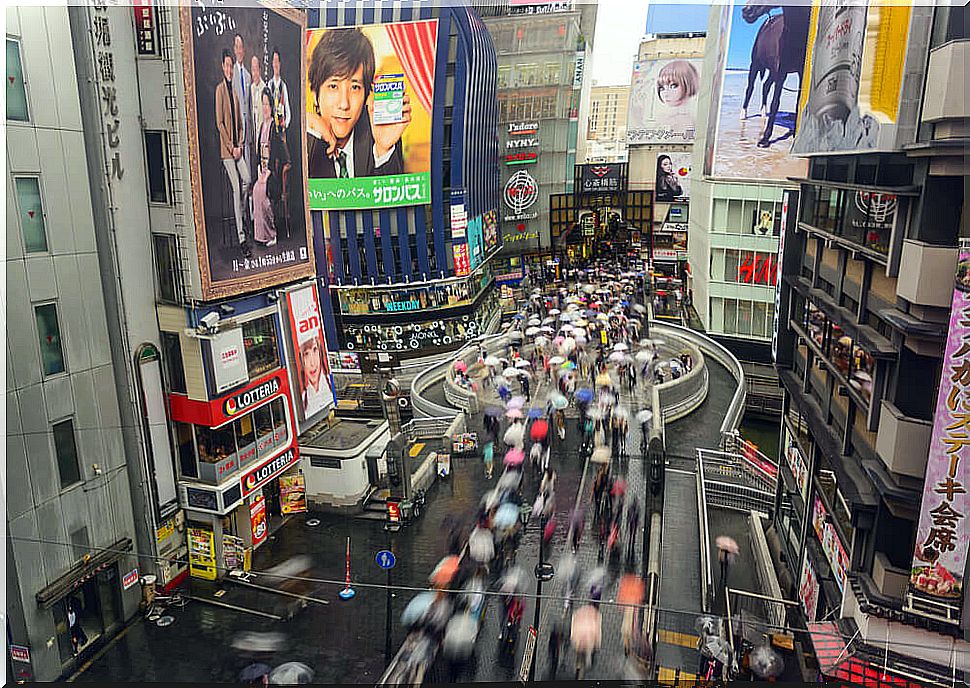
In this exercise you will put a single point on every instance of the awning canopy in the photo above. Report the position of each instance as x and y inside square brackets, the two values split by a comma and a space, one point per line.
[73, 579]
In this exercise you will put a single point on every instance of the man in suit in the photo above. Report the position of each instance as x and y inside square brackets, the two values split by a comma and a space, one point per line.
[242, 82]
[232, 135]
[341, 76]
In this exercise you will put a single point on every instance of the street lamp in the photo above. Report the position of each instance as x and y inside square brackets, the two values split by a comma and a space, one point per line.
[544, 572]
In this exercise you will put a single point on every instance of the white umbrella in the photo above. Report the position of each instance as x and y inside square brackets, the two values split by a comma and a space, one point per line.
[642, 356]
[620, 347]
[531, 331]
[492, 361]
[460, 634]
[534, 321]
[291, 674]
[617, 357]
[556, 360]
[600, 455]
[554, 311]
[515, 435]
[481, 545]
[509, 372]
[558, 401]
[644, 416]
[522, 363]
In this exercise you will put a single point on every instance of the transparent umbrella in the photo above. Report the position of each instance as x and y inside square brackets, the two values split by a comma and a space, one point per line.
[765, 662]
[291, 674]
[460, 634]
[481, 545]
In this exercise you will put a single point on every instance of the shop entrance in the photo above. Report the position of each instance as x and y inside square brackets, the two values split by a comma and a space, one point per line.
[87, 613]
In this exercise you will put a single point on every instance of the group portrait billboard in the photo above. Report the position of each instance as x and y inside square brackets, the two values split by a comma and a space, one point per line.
[663, 101]
[243, 67]
[369, 94]
[758, 92]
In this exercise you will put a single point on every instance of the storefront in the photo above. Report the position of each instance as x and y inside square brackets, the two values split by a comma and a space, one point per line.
[232, 452]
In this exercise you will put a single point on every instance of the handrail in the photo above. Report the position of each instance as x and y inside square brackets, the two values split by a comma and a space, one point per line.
[707, 574]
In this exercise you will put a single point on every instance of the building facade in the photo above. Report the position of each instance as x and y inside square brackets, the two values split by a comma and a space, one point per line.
[606, 126]
[867, 349]
[543, 51]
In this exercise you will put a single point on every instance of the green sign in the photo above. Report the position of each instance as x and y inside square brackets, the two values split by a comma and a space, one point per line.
[370, 192]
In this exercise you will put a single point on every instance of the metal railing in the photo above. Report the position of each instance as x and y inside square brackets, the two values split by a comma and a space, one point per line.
[707, 571]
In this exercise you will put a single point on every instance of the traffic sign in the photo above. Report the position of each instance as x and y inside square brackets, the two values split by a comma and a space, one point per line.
[530, 648]
[386, 559]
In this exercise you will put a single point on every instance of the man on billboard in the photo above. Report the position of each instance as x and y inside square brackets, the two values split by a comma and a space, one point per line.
[242, 80]
[232, 137]
[341, 77]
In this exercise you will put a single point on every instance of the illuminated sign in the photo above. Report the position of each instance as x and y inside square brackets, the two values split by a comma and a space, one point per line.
[521, 192]
[521, 158]
[260, 475]
[758, 268]
[519, 128]
[522, 142]
[250, 397]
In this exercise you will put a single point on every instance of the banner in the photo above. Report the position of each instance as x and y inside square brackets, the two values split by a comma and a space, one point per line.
[602, 178]
[310, 353]
[808, 589]
[229, 365]
[942, 535]
[243, 71]
[293, 494]
[490, 230]
[754, 137]
[476, 242]
[663, 101]
[672, 177]
[257, 519]
[835, 553]
[368, 105]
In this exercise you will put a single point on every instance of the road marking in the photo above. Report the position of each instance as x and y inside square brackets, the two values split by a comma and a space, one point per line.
[416, 449]
[677, 638]
[675, 677]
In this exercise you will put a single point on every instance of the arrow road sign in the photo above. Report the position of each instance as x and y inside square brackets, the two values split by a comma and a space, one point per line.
[386, 559]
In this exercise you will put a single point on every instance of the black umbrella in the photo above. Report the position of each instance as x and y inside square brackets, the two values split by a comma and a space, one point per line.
[254, 672]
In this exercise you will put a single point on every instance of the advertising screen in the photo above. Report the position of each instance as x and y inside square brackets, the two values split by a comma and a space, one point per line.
[243, 67]
[310, 353]
[368, 106]
[476, 247]
[672, 177]
[490, 230]
[663, 101]
[941, 537]
[757, 104]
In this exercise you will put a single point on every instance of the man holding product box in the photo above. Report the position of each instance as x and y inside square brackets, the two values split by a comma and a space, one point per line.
[342, 81]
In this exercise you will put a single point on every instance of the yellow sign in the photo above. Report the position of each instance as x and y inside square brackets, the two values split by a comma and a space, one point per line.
[165, 530]
[202, 553]
[416, 449]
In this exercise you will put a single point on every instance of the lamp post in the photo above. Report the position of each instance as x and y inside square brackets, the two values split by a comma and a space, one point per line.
[543, 572]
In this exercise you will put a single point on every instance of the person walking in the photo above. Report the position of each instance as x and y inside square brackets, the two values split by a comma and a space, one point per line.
[488, 455]
[632, 525]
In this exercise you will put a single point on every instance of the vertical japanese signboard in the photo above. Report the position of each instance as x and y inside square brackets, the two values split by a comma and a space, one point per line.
[941, 537]
[808, 589]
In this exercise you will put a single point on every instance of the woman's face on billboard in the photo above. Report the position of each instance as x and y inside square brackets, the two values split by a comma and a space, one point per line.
[311, 361]
[672, 93]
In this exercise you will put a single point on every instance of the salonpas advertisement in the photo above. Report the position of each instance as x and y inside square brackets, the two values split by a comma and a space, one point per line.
[368, 102]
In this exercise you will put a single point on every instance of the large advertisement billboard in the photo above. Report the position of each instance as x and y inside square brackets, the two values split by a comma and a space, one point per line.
[672, 180]
[663, 101]
[758, 101]
[368, 107]
[309, 353]
[243, 67]
[855, 69]
[942, 535]
[602, 178]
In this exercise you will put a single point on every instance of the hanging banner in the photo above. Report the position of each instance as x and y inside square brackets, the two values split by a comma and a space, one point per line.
[293, 494]
[202, 553]
[257, 519]
[831, 544]
[942, 537]
[808, 590]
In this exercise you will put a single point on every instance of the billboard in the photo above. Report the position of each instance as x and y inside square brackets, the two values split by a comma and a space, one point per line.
[757, 103]
[855, 69]
[309, 353]
[246, 149]
[941, 536]
[663, 101]
[603, 178]
[368, 107]
[490, 230]
[476, 248]
[672, 177]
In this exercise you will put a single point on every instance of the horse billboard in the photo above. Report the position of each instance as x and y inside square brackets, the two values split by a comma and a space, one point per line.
[758, 90]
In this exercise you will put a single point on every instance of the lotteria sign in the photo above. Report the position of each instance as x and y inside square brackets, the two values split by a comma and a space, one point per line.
[259, 476]
[251, 397]
[216, 412]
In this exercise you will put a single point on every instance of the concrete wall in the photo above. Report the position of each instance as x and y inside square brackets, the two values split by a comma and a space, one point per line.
[52, 146]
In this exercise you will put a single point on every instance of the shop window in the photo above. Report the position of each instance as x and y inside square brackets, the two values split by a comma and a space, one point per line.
[260, 343]
[49, 332]
[504, 76]
[185, 443]
[758, 319]
[65, 449]
[245, 430]
[840, 349]
[863, 368]
[172, 357]
[156, 162]
[167, 274]
[17, 110]
[730, 316]
[215, 445]
[732, 262]
[280, 434]
[816, 324]
[744, 317]
[263, 421]
[30, 207]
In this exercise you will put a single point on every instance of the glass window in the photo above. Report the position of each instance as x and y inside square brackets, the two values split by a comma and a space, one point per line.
[215, 444]
[263, 418]
[16, 86]
[863, 367]
[730, 316]
[504, 76]
[31, 209]
[758, 317]
[744, 317]
[840, 349]
[259, 340]
[51, 353]
[186, 450]
[172, 357]
[156, 158]
[167, 268]
[551, 73]
[815, 324]
[731, 265]
[280, 435]
[66, 450]
[245, 431]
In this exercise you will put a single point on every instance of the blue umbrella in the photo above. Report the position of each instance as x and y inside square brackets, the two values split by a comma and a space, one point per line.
[533, 413]
[506, 516]
[494, 411]
[518, 316]
[584, 395]
[417, 608]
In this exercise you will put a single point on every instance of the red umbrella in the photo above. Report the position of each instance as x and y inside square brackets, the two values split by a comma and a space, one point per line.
[619, 487]
[549, 531]
[461, 366]
[539, 430]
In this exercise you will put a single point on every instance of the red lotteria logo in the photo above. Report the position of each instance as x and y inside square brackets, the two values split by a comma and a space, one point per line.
[251, 397]
[230, 408]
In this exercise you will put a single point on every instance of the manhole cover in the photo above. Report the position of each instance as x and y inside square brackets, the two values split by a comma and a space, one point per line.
[313, 522]
[165, 621]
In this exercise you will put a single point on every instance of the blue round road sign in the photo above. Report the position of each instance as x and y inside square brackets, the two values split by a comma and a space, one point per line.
[386, 559]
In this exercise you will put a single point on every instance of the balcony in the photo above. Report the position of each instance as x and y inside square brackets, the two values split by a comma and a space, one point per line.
[945, 97]
[926, 274]
[903, 443]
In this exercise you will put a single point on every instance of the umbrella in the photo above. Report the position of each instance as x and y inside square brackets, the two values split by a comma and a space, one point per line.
[617, 357]
[642, 356]
[514, 579]
[255, 641]
[460, 634]
[509, 481]
[706, 625]
[631, 589]
[417, 608]
[604, 379]
[600, 455]
[568, 365]
[510, 372]
[549, 530]
[586, 630]
[717, 648]
[619, 487]
[522, 373]
[461, 366]
[727, 544]
[539, 430]
[491, 498]
[444, 571]
[514, 457]
[765, 662]
[291, 674]
[554, 311]
[515, 435]
[558, 401]
[541, 341]
[513, 413]
[481, 546]
[534, 413]
[506, 516]
[534, 322]
[492, 361]
[556, 360]
[602, 316]
[515, 335]
[639, 308]
[568, 344]
[254, 672]
[644, 416]
[595, 414]
[584, 394]
[621, 412]
[620, 347]
[532, 331]
[518, 316]
[493, 411]
[516, 402]
[522, 363]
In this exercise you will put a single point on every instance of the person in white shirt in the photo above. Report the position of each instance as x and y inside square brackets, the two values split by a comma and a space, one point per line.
[281, 97]
[255, 96]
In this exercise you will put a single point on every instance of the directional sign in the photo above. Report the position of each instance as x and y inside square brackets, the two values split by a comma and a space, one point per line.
[386, 559]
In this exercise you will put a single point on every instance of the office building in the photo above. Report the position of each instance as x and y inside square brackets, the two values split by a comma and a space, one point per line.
[606, 127]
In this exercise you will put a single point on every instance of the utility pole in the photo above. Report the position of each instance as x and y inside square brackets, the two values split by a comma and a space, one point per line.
[544, 572]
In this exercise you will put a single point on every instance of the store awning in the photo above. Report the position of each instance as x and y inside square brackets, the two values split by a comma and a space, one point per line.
[83, 571]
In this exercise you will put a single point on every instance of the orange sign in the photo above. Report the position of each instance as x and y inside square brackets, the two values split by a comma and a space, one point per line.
[257, 518]
[393, 512]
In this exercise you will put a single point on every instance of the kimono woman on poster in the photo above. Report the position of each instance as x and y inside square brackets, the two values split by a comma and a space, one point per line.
[272, 156]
